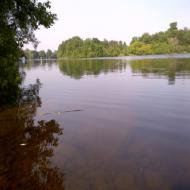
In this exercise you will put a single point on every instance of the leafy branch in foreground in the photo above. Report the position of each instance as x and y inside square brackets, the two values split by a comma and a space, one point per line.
[19, 19]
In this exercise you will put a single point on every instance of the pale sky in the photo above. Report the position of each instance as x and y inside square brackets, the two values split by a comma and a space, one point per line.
[111, 19]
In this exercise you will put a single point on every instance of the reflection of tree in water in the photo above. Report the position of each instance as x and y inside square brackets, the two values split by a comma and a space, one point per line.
[26, 148]
[79, 68]
[33, 63]
[171, 68]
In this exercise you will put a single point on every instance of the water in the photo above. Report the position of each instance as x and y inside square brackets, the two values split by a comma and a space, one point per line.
[101, 124]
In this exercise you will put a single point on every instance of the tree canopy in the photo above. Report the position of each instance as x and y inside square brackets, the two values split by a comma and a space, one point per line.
[34, 54]
[77, 47]
[18, 21]
[173, 40]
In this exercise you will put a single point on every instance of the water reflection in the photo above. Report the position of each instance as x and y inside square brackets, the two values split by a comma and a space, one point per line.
[78, 68]
[132, 134]
[26, 148]
[35, 63]
[169, 68]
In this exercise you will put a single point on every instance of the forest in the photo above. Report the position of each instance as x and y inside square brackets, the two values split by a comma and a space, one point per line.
[34, 54]
[76, 47]
[173, 40]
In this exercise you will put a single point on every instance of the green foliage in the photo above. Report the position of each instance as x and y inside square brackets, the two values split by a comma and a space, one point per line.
[173, 26]
[49, 54]
[20, 18]
[18, 21]
[9, 81]
[140, 48]
[33, 54]
[76, 47]
[42, 54]
[171, 41]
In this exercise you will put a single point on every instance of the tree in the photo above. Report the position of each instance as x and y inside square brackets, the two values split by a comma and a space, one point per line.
[19, 19]
[140, 48]
[49, 54]
[146, 38]
[42, 54]
[171, 41]
[31, 54]
[173, 26]
[76, 47]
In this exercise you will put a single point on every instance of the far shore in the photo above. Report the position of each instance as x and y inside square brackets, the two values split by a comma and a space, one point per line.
[130, 57]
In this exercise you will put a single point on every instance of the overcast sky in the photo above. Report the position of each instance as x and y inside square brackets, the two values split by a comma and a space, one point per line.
[111, 19]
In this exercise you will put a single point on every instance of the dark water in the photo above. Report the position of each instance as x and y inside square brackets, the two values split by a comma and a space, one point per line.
[100, 125]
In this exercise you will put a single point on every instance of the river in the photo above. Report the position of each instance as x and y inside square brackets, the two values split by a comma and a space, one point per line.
[101, 124]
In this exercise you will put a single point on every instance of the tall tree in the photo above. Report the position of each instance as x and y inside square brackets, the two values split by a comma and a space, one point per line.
[49, 54]
[18, 21]
[20, 18]
[173, 26]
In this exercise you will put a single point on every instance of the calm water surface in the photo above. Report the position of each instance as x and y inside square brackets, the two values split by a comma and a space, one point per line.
[100, 125]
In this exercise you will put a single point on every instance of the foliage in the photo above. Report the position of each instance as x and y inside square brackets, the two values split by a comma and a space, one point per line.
[173, 40]
[76, 47]
[20, 18]
[9, 81]
[140, 48]
[18, 21]
[33, 54]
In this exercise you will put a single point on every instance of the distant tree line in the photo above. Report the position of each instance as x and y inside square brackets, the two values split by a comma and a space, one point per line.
[33, 54]
[173, 40]
[77, 47]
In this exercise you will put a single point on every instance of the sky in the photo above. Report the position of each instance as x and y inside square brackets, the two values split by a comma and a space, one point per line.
[111, 19]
